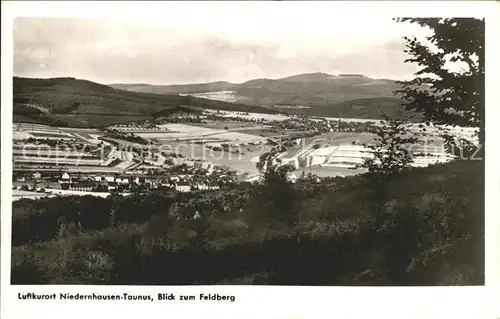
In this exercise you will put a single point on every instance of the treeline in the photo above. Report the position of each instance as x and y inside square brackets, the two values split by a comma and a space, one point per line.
[430, 232]
[68, 109]
[25, 110]
[64, 95]
[181, 109]
[29, 114]
[118, 135]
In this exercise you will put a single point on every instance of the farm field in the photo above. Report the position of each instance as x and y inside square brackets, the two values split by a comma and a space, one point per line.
[23, 135]
[183, 139]
[231, 125]
[80, 130]
[22, 131]
[280, 106]
[57, 161]
[50, 153]
[239, 162]
[250, 116]
[52, 156]
[85, 135]
[20, 194]
[351, 120]
[282, 117]
[196, 133]
[266, 132]
[49, 135]
[85, 157]
[40, 167]
[226, 96]
[89, 138]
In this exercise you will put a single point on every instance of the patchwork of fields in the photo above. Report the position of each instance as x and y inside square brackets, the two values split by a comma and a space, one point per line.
[45, 155]
[197, 141]
[250, 116]
[236, 144]
[242, 162]
[192, 133]
[23, 131]
[41, 147]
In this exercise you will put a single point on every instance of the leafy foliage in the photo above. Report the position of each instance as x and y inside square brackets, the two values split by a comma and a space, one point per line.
[447, 96]
[432, 233]
[389, 152]
[276, 198]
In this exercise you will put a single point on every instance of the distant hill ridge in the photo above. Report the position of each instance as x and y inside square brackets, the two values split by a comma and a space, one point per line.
[304, 77]
[307, 89]
[82, 103]
[321, 77]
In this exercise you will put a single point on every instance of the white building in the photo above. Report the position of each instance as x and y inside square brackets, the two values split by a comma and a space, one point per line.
[183, 188]
[109, 178]
[122, 180]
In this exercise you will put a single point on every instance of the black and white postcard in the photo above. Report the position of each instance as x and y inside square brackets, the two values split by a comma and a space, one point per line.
[267, 159]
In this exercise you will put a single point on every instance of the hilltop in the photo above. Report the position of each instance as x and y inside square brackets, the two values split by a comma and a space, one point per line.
[319, 77]
[82, 103]
[308, 89]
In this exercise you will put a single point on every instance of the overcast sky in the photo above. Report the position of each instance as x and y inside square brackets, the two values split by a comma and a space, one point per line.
[212, 43]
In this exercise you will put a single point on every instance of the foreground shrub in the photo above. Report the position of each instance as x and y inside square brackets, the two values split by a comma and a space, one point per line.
[431, 231]
[27, 269]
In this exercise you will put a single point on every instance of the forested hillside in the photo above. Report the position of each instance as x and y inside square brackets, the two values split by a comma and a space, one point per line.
[81, 103]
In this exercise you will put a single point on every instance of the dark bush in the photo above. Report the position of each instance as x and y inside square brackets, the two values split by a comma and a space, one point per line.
[429, 232]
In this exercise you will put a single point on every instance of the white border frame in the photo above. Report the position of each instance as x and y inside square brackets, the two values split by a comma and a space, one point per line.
[266, 302]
